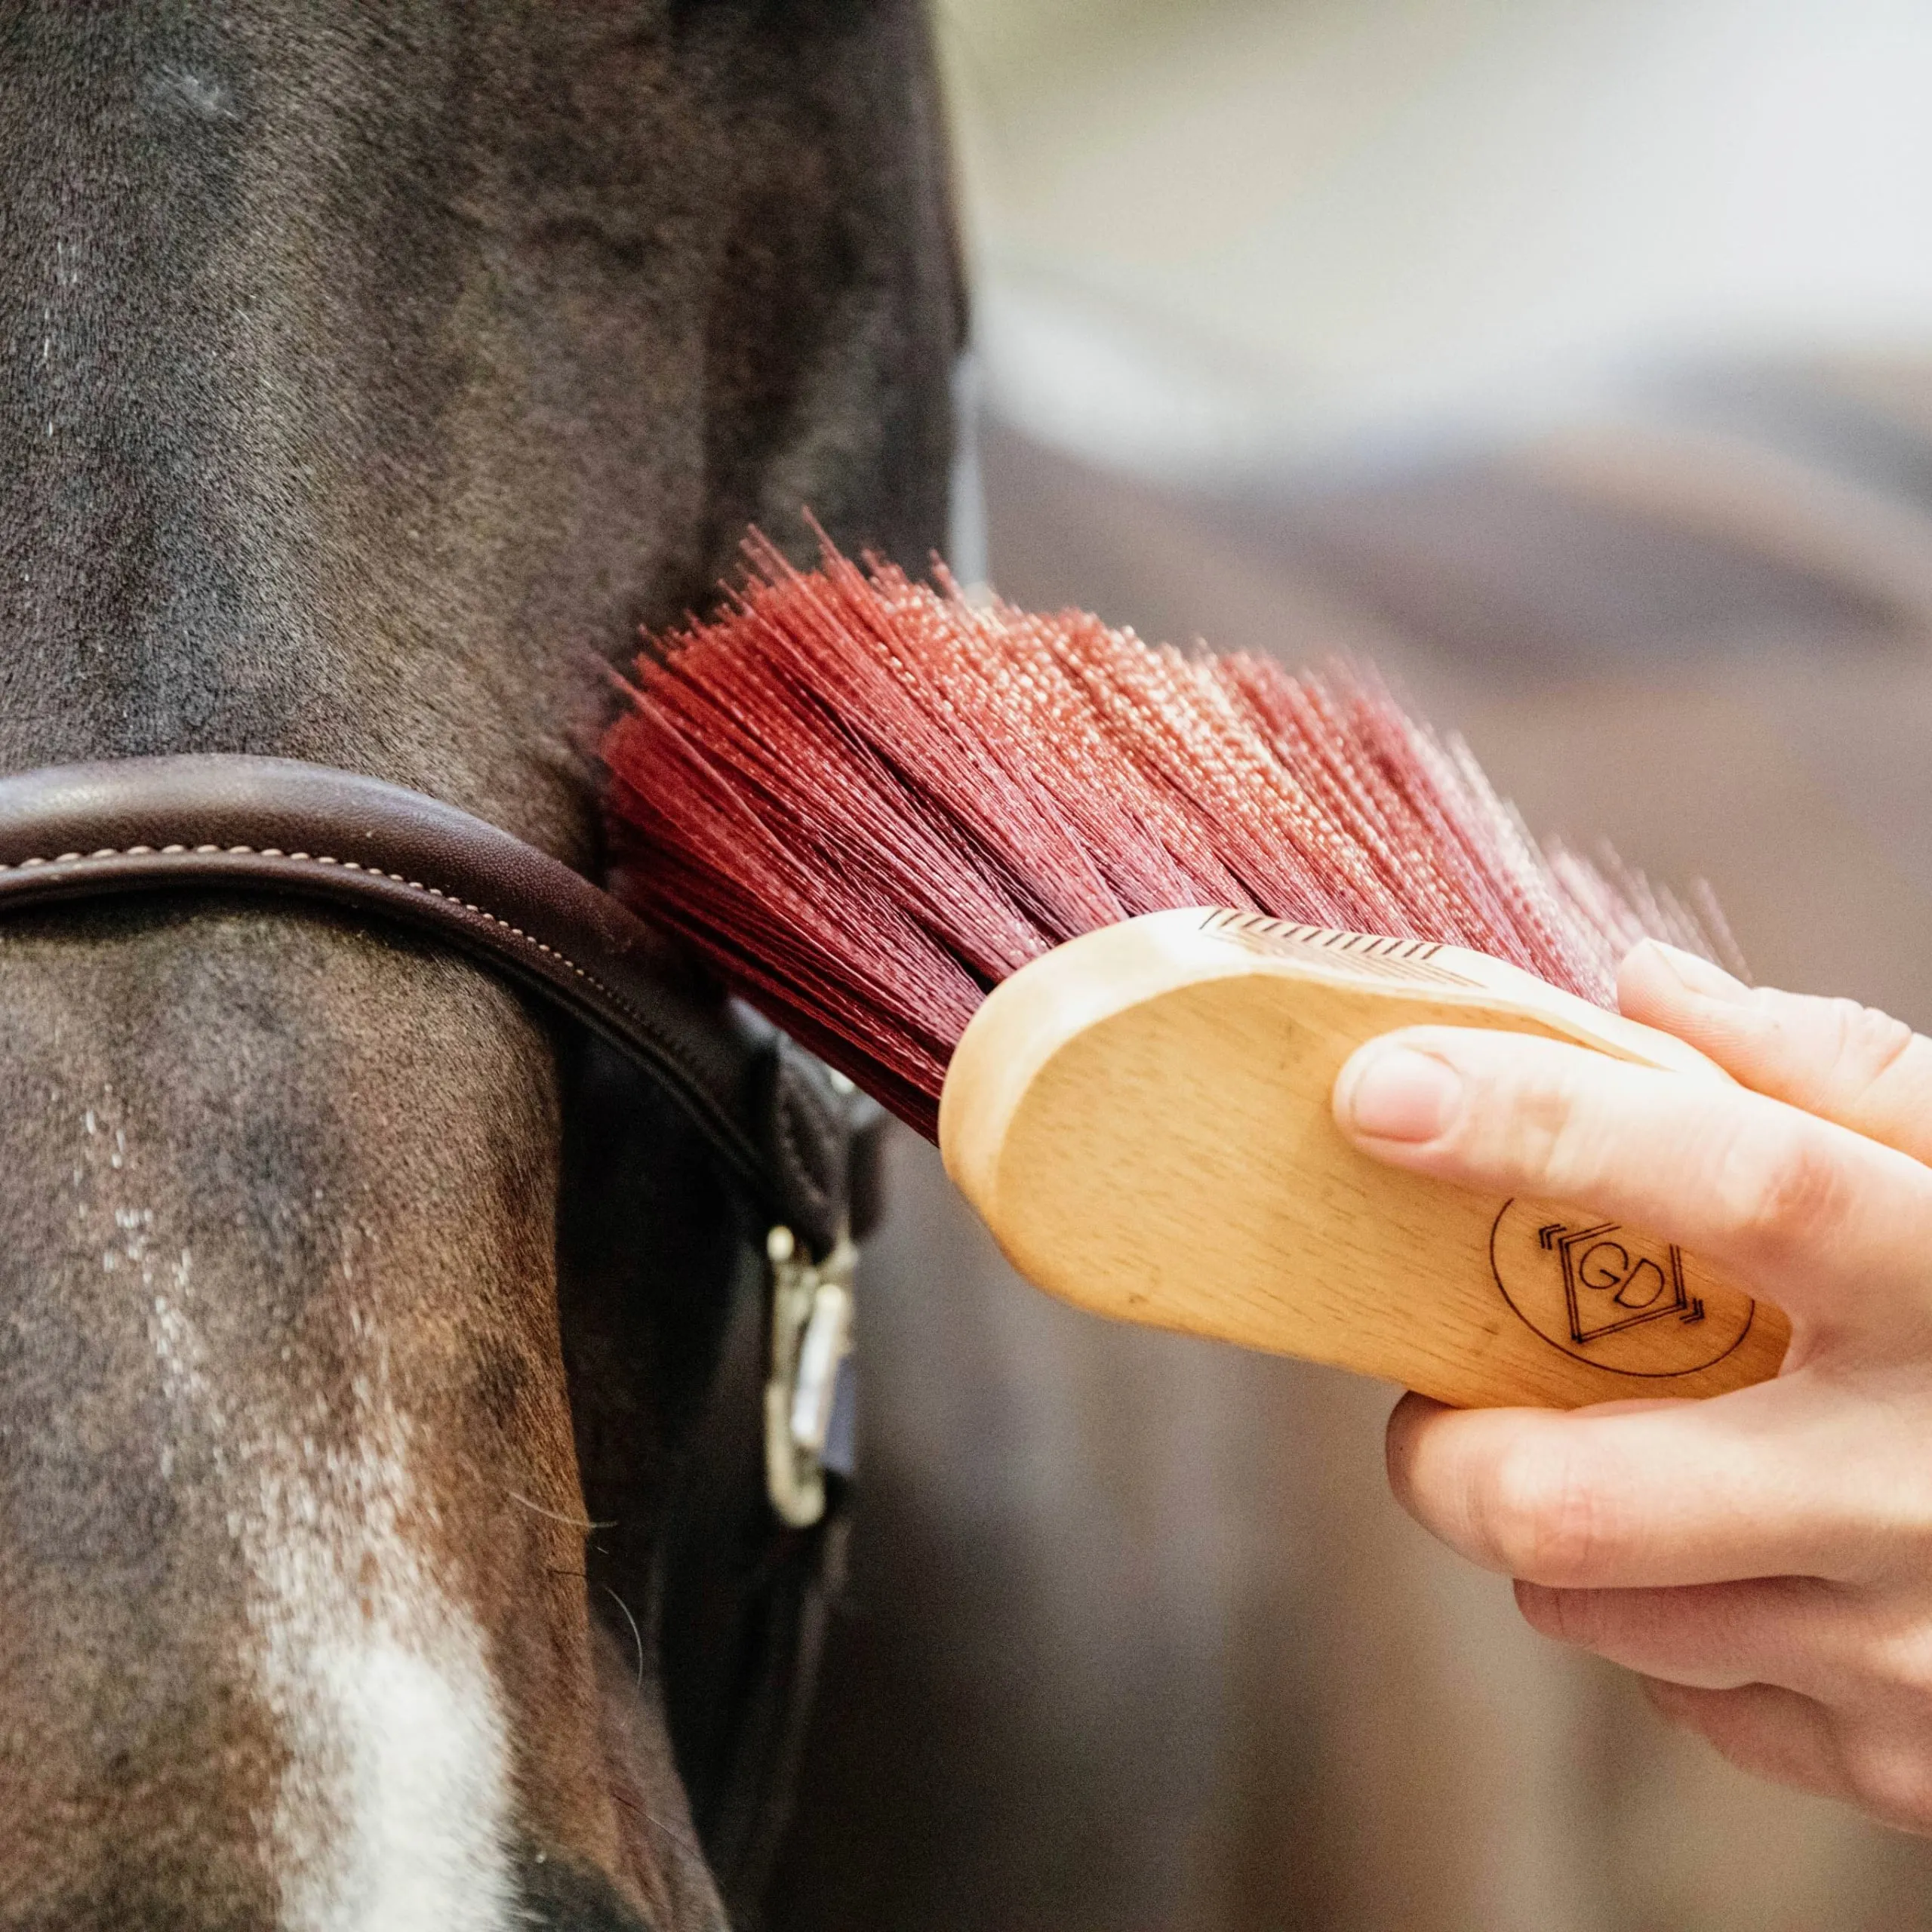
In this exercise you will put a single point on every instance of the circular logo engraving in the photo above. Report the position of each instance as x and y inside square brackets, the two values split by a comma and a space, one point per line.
[1611, 1295]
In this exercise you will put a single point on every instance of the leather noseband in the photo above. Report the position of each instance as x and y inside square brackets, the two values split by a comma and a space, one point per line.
[281, 827]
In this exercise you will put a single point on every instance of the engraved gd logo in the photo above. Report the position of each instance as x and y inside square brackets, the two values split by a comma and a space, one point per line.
[1609, 1284]
[1611, 1295]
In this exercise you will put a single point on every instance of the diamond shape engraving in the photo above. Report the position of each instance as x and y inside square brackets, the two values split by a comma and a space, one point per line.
[1609, 1294]
[1614, 1279]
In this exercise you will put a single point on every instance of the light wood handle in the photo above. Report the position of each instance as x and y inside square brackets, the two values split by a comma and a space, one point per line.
[1143, 1119]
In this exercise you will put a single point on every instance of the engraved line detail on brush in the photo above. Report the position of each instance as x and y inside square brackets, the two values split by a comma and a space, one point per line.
[1412, 961]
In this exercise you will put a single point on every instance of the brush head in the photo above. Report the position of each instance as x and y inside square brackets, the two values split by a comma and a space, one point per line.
[866, 800]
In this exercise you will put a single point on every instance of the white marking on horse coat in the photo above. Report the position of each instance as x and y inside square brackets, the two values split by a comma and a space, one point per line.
[391, 1815]
[204, 93]
[391, 1812]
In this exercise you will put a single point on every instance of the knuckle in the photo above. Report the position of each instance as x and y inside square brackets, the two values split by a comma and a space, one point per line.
[1537, 1126]
[1870, 1044]
[1895, 1657]
[1779, 1189]
[1890, 1776]
[1544, 1523]
[1901, 1665]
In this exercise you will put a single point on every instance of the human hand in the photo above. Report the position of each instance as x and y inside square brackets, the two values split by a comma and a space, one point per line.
[1763, 1559]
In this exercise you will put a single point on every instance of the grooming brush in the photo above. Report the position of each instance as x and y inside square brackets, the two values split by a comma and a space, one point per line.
[1105, 920]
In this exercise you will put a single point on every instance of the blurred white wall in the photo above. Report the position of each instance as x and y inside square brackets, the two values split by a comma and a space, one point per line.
[1212, 232]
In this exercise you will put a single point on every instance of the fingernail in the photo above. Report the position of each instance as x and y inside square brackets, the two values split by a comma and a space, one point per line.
[1699, 976]
[1396, 1094]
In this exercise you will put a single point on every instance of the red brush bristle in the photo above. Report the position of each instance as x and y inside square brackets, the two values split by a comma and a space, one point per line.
[866, 800]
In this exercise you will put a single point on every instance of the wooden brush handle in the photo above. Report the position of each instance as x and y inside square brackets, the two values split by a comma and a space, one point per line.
[1143, 1119]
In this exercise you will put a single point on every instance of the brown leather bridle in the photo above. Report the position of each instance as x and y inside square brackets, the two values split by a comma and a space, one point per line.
[801, 1151]
[276, 826]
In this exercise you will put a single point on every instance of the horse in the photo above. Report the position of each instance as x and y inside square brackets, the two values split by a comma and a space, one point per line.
[372, 374]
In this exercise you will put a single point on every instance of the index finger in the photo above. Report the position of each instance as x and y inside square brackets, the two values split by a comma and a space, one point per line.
[1832, 1057]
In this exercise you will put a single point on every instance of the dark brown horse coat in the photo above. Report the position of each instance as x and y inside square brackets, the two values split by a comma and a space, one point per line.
[370, 371]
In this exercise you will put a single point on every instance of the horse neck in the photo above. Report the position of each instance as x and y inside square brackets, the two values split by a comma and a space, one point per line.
[369, 378]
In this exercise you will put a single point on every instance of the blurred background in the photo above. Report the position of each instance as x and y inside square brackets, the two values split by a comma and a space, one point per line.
[1572, 359]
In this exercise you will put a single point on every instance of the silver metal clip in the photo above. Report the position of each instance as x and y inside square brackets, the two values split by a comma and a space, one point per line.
[811, 1335]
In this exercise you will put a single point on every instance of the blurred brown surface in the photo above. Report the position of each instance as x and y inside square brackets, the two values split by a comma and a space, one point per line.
[1136, 1639]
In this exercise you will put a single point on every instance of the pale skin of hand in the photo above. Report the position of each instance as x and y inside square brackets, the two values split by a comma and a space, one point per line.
[1763, 1560]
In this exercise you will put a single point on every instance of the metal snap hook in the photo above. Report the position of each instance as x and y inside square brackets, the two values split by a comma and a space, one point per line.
[812, 1308]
